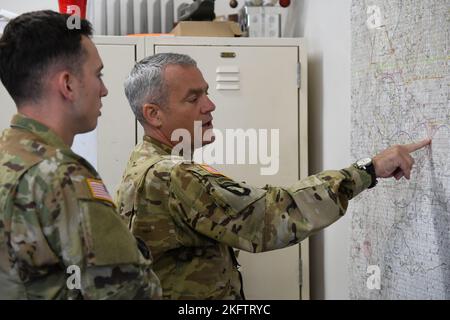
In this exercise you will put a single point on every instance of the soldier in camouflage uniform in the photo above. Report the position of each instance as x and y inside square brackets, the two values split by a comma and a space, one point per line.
[60, 234]
[191, 216]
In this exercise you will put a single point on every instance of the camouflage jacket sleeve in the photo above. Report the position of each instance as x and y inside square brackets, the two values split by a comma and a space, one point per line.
[81, 231]
[255, 219]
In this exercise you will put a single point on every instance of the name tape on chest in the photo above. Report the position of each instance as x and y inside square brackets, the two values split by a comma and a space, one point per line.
[98, 190]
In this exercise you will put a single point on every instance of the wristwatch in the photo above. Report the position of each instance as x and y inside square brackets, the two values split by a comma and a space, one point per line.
[366, 164]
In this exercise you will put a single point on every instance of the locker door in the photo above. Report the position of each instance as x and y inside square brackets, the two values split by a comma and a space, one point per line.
[111, 144]
[108, 147]
[256, 88]
[8, 108]
[116, 130]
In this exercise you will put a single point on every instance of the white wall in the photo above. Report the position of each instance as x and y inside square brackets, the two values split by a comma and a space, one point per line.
[326, 26]
[21, 6]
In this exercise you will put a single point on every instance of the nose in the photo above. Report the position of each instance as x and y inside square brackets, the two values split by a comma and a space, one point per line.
[208, 106]
[104, 90]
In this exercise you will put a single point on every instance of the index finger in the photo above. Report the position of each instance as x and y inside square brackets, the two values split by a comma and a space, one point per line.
[418, 145]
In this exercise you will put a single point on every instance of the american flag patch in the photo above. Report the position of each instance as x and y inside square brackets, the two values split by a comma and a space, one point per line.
[98, 190]
[211, 170]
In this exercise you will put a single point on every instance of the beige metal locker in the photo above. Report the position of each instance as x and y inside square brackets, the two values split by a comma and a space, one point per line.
[258, 84]
[116, 130]
[110, 145]
[8, 108]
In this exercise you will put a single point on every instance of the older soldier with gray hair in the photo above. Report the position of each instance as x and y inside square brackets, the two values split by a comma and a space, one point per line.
[191, 216]
[60, 234]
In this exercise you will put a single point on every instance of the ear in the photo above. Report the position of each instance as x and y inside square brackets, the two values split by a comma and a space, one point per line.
[152, 114]
[66, 84]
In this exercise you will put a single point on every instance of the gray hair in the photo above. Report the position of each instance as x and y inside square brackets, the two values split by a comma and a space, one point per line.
[146, 84]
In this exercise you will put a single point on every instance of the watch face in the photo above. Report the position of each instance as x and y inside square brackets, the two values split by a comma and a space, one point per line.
[364, 162]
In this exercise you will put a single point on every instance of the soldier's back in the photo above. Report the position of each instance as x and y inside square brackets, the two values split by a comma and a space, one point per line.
[57, 219]
[29, 267]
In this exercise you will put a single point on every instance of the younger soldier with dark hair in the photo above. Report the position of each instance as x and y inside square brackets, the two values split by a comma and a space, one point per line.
[191, 215]
[60, 235]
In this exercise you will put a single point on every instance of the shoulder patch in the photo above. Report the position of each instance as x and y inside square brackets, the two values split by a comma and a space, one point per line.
[98, 190]
[211, 170]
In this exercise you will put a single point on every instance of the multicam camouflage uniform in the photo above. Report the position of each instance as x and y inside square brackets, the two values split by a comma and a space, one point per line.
[190, 216]
[50, 219]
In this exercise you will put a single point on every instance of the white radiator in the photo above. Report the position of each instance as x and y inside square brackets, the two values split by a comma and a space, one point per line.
[122, 17]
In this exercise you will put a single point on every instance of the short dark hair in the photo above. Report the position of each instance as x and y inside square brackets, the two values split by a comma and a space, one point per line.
[31, 44]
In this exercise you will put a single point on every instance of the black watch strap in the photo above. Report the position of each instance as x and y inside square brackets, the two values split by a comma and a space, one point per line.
[367, 165]
[371, 170]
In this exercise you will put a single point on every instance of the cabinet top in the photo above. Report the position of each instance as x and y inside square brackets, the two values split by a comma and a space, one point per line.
[206, 41]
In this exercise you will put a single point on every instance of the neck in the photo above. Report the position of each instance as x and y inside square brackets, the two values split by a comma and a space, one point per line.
[159, 136]
[51, 119]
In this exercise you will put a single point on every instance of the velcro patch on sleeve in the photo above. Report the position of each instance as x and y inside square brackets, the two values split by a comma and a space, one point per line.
[211, 170]
[98, 190]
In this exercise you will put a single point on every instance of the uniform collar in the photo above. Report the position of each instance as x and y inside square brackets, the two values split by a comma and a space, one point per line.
[158, 145]
[48, 137]
[42, 131]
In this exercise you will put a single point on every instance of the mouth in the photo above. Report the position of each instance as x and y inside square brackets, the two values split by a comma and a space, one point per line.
[207, 124]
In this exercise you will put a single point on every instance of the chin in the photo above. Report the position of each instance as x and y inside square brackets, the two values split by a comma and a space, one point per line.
[206, 142]
[208, 135]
